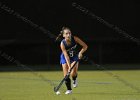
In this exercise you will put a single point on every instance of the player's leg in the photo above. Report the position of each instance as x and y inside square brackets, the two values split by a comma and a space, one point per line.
[67, 81]
[74, 74]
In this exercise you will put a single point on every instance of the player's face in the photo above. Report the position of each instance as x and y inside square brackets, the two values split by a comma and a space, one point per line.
[67, 34]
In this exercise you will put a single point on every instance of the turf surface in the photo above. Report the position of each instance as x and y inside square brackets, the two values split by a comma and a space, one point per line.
[93, 85]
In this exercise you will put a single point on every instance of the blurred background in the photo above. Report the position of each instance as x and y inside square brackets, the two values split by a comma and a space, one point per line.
[19, 40]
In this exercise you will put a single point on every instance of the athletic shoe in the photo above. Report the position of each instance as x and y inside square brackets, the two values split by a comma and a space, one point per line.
[68, 92]
[75, 83]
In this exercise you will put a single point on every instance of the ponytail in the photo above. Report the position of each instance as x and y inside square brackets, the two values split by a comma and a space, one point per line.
[59, 37]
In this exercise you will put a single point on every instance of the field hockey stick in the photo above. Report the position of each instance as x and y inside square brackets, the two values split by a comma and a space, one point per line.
[68, 74]
[84, 58]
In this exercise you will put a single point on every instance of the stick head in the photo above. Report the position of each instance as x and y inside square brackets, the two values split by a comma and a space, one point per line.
[57, 93]
[55, 89]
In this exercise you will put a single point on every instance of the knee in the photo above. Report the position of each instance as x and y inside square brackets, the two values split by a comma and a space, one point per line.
[73, 74]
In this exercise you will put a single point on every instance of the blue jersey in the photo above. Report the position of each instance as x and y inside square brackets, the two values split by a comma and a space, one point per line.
[71, 50]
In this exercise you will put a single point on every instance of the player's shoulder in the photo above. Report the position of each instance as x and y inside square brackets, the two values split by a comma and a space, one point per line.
[76, 38]
[62, 42]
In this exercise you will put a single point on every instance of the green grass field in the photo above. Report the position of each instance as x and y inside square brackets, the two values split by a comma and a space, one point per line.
[93, 85]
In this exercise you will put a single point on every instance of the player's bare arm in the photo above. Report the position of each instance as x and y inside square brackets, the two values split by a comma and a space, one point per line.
[83, 44]
[65, 54]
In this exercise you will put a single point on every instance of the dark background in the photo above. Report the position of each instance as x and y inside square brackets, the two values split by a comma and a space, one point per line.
[29, 45]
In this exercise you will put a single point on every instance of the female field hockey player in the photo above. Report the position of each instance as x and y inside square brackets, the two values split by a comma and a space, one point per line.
[69, 56]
